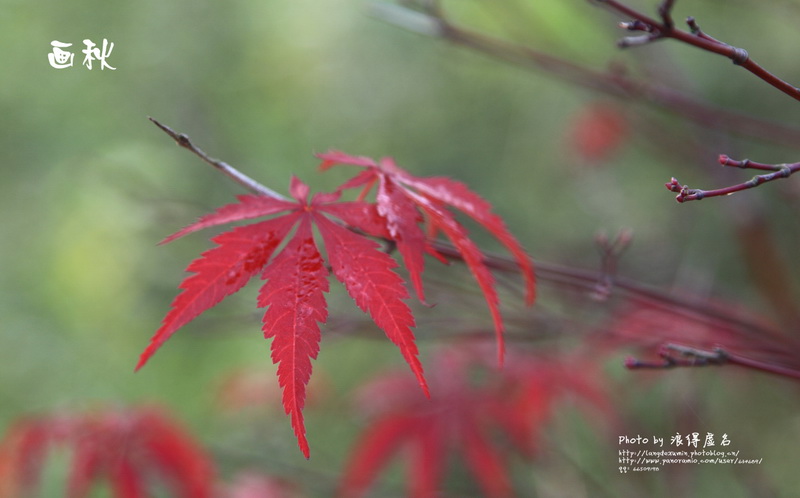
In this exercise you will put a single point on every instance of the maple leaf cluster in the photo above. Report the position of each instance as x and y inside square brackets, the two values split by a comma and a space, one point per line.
[131, 450]
[408, 212]
[480, 421]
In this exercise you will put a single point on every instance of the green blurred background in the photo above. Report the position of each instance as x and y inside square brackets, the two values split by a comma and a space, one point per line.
[89, 186]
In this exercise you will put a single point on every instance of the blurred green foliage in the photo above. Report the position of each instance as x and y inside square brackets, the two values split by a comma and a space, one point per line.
[89, 187]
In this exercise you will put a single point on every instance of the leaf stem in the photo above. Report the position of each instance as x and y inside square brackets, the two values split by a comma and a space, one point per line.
[226, 169]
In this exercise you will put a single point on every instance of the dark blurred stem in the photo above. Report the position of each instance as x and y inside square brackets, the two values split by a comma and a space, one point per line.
[676, 355]
[613, 83]
[586, 280]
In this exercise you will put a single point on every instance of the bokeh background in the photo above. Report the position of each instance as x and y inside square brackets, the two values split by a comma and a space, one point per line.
[89, 186]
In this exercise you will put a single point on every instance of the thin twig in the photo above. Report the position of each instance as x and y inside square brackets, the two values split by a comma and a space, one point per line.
[610, 252]
[688, 357]
[696, 357]
[665, 11]
[226, 169]
[693, 194]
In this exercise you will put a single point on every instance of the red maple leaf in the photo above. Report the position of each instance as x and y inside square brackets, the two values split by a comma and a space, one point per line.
[127, 449]
[476, 420]
[296, 280]
[403, 198]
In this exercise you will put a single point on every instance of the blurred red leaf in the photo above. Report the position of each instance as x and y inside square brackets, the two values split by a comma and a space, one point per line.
[478, 420]
[128, 449]
[597, 131]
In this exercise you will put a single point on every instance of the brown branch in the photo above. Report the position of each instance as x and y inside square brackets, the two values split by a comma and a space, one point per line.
[695, 357]
[693, 194]
[665, 29]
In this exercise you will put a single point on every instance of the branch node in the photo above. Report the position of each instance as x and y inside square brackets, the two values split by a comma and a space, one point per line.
[721, 355]
[739, 56]
[693, 27]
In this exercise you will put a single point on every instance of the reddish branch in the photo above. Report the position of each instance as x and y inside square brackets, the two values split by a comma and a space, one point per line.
[657, 30]
[693, 194]
[675, 355]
